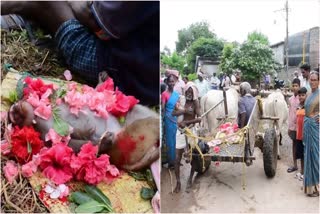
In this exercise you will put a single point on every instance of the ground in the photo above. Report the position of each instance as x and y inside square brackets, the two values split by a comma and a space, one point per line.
[220, 189]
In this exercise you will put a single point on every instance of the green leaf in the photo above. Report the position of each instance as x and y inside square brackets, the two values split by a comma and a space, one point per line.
[147, 193]
[80, 197]
[90, 207]
[150, 179]
[138, 176]
[61, 127]
[29, 147]
[98, 195]
[13, 96]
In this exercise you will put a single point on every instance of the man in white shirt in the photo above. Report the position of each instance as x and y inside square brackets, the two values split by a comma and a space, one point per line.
[305, 71]
[202, 84]
[215, 82]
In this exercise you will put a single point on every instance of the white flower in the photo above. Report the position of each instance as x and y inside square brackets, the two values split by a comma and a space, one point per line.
[57, 191]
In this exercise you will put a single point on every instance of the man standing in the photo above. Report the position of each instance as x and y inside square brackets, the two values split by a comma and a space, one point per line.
[246, 104]
[215, 82]
[305, 71]
[202, 84]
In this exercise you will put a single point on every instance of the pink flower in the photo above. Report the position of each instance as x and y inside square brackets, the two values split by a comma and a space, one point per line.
[217, 163]
[87, 166]
[72, 86]
[58, 101]
[44, 111]
[5, 147]
[216, 149]
[33, 99]
[10, 171]
[31, 167]
[53, 136]
[67, 75]
[75, 101]
[55, 163]
[113, 170]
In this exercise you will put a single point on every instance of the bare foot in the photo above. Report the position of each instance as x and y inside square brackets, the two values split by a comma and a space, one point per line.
[189, 185]
[178, 187]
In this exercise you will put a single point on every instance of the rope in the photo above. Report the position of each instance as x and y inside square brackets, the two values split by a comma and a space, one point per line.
[241, 132]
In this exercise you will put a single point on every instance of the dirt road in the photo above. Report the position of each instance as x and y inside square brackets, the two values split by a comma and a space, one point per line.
[220, 189]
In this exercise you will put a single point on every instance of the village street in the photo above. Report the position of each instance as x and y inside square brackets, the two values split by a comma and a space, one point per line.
[220, 189]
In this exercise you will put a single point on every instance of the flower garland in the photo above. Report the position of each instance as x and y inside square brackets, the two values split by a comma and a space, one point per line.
[59, 163]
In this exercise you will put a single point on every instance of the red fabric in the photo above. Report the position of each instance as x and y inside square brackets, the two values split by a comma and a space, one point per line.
[300, 118]
[165, 97]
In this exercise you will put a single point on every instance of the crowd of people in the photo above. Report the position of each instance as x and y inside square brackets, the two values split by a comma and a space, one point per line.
[303, 125]
[303, 128]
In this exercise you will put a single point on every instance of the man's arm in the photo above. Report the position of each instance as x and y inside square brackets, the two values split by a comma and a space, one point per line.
[242, 113]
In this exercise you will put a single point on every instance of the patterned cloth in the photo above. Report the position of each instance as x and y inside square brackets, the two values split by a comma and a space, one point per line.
[293, 105]
[311, 143]
[79, 48]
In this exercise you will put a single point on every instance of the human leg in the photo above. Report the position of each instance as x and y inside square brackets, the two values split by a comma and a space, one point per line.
[177, 169]
[292, 135]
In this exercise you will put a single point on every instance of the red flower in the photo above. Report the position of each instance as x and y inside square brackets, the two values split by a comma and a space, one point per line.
[87, 166]
[123, 104]
[55, 163]
[107, 85]
[36, 85]
[25, 143]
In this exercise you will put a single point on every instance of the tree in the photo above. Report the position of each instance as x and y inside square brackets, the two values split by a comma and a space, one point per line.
[204, 47]
[174, 61]
[187, 36]
[226, 59]
[257, 36]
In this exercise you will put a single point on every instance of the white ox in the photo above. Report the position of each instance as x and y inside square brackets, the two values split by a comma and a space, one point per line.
[275, 105]
[211, 99]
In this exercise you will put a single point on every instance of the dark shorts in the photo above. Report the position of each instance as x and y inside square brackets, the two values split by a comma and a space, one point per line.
[292, 135]
[299, 150]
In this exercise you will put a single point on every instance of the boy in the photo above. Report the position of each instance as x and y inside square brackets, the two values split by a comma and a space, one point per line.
[300, 117]
[293, 105]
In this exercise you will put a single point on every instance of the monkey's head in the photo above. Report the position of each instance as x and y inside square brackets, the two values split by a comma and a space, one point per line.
[21, 113]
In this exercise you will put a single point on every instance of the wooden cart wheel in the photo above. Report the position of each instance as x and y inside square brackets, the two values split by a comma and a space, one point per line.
[270, 151]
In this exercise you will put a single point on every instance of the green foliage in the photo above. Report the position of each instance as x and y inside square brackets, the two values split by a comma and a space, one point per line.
[252, 58]
[174, 61]
[59, 125]
[187, 36]
[13, 96]
[225, 63]
[204, 47]
[147, 193]
[257, 36]
[192, 76]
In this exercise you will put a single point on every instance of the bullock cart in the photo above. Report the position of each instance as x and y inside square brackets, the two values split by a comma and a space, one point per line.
[260, 131]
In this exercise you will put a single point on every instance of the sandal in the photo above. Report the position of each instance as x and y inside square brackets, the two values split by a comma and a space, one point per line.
[292, 169]
[315, 194]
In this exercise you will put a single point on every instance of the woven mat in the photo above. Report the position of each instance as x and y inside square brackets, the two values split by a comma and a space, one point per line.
[123, 192]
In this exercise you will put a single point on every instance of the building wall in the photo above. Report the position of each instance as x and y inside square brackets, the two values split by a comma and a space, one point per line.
[278, 53]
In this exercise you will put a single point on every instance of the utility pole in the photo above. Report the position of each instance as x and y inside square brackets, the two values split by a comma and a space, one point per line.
[287, 40]
[286, 9]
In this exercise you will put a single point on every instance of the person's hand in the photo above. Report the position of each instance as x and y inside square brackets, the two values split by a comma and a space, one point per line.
[182, 124]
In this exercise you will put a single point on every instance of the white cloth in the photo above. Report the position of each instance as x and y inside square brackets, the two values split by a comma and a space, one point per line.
[226, 82]
[215, 81]
[180, 141]
[179, 86]
[305, 83]
[233, 78]
[203, 87]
